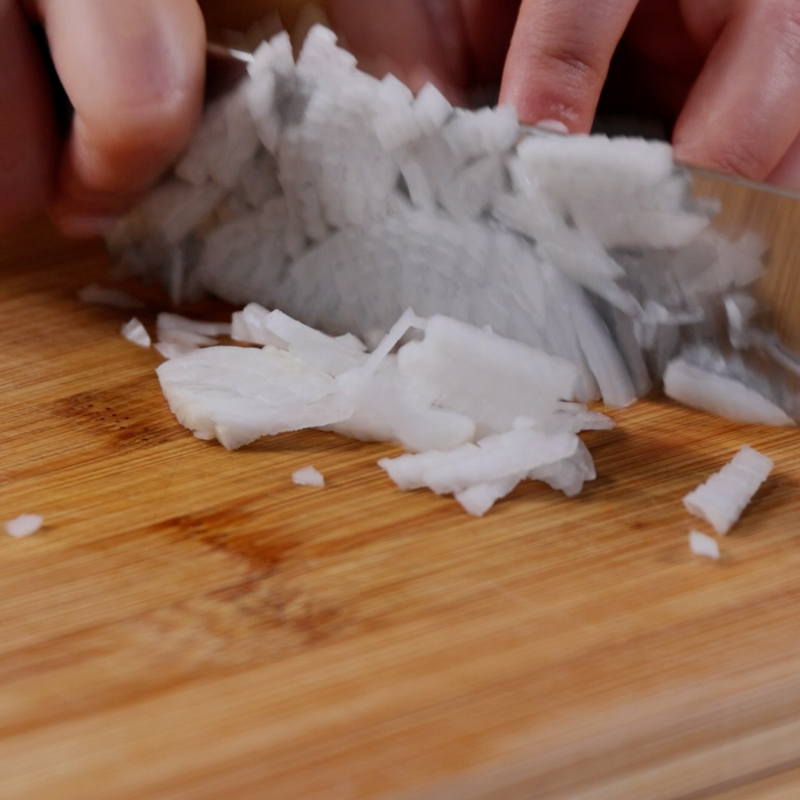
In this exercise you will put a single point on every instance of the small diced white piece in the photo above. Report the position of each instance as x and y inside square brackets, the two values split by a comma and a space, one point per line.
[24, 525]
[95, 294]
[479, 499]
[702, 545]
[135, 332]
[724, 496]
[174, 350]
[167, 322]
[308, 476]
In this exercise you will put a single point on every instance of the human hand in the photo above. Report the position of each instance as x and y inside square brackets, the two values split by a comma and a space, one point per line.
[726, 71]
[134, 73]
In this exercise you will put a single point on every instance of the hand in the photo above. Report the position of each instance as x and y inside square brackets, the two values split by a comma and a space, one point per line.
[727, 71]
[134, 72]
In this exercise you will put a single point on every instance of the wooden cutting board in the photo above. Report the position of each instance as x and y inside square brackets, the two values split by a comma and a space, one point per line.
[190, 624]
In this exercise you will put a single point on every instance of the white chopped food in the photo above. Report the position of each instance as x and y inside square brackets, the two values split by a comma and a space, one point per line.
[353, 379]
[24, 525]
[387, 407]
[724, 496]
[175, 322]
[544, 272]
[477, 500]
[626, 192]
[173, 349]
[486, 377]
[341, 200]
[135, 332]
[327, 353]
[308, 476]
[185, 339]
[496, 458]
[95, 294]
[238, 395]
[250, 325]
[703, 545]
[720, 395]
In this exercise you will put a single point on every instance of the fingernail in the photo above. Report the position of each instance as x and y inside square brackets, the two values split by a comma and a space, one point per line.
[137, 44]
[86, 227]
[552, 126]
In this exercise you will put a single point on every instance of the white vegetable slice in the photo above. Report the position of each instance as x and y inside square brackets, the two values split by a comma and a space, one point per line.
[624, 191]
[567, 418]
[569, 474]
[722, 498]
[224, 142]
[174, 322]
[702, 545]
[187, 339]
[309, 476]
[725, 397]
[479, 499]
[250, 325]
[486, 377]
[174, 350]
[135, 332]
[332, 355]
[601, 353]
[389, 408]
[238, 394]
[352, 380]
[495, 458]
[24, 525]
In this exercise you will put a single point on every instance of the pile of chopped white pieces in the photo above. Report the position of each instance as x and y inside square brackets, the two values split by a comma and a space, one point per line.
[478, 412]
[343, 200]
[547, 271]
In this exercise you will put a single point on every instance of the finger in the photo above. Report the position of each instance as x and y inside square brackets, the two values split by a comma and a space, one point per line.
[742, 114]
[787, 173]
[134, 72]
[27, 137]
[559, 58]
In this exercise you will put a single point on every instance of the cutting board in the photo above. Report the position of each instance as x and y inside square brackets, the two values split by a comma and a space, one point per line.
[190, 624]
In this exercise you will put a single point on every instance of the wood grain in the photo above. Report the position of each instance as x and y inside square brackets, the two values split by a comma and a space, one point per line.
[190, 624]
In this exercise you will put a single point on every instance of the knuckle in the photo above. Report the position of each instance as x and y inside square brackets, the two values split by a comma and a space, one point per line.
[742, 157]
[574, 62]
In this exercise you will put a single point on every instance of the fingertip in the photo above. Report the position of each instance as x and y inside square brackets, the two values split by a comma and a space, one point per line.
[134, 71]
[559, 58]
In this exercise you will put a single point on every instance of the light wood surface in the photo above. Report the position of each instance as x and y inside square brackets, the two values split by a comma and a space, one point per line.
[190, 624]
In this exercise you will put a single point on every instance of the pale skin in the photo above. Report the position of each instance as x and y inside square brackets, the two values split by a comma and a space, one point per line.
[728, 72]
